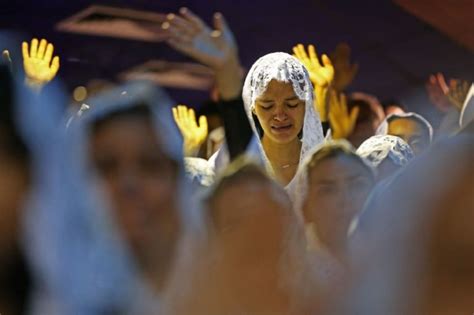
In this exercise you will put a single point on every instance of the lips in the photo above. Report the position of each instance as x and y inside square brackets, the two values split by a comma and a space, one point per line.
[281, 128]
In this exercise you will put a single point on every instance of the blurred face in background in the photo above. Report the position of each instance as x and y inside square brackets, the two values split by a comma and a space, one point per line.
[449, 269]
[251, 216]
[412, 131]
[338, 188]
[140, 182]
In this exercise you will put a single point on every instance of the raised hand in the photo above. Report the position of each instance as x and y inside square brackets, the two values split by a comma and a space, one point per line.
[215, 47]
[341, 121]
[193, 134]
[457, 93]
[38, 62]
[322, 75]
[438, 90]
[344, 70]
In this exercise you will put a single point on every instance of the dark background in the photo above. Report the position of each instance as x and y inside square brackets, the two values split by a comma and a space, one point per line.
[396, 51]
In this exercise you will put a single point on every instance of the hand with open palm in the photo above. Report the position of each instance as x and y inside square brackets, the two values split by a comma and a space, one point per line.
[321, 75]
[215, 47]
[194, 134]
[38, 62]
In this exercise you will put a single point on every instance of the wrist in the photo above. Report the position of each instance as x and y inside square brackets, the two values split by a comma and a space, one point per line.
[34, 85]
[229, 78]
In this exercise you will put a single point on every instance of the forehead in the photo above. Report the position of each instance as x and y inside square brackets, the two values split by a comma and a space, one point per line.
[278, 89]
[339, 167]
[405, 125]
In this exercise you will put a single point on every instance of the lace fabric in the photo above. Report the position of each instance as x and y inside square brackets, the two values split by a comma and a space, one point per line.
[383, 128]
[377, 148]
[285, 68]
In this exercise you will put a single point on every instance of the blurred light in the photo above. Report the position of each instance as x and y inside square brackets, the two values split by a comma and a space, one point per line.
[80, 93]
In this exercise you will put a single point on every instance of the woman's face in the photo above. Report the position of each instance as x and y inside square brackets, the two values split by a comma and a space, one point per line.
[140, 182]
[280, 112]
[338, 188]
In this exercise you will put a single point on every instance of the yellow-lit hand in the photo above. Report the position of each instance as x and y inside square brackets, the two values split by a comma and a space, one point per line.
[344, 70]
[322, 75]
[38, 62]
[342, 123]
[193, 134]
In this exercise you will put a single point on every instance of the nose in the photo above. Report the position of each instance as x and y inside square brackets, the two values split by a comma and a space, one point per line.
[280, 115]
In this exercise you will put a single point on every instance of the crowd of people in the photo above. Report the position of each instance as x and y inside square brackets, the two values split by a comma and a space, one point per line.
[284, 194]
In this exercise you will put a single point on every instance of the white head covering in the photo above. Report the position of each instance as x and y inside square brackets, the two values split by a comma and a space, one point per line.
[284, 68]
[467, 112]
[74, 243]
[377, 148]
[383, 128]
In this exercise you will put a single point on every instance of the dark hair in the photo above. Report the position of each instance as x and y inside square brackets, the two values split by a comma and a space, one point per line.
[10, 138]
[140, 110]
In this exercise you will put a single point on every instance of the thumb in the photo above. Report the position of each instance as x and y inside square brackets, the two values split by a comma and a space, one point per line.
[354, 114]
[203, 123]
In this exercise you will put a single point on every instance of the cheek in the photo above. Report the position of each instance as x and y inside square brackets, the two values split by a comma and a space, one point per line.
[321, 207]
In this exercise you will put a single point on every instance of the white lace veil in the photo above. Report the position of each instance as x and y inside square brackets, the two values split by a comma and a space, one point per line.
[285, 68]
[377, 148]
[77, 251]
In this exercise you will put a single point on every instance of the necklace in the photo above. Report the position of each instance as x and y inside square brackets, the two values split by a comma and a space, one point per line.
[288, 165]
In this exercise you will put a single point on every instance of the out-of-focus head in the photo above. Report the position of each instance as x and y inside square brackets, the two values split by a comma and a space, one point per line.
[370, 116]
[386, 153]
[138, 177]
[420, 241]
[412, 128]
[246, 207]
[339, 182]
[14, 165]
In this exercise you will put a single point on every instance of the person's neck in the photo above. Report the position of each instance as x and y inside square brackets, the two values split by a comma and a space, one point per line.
[279, 154]
[284, 159]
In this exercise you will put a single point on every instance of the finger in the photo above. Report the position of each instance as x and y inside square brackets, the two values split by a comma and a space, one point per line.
[197, 23]
[302, 51]
[296, 52]
[55, 66]
[24, 48]
[203, 123]
[220, 24]
[192, 116]
[34, 48]
[42, 48]
[442, 83]
[182, 35]
[49, 53]
[313, 56]
[326, 60]
[181, 25]
[175, 115]
[333, 122]
[354, 114]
